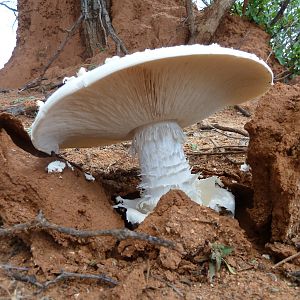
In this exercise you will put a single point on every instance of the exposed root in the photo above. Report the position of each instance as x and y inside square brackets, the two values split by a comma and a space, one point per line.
[41, 223]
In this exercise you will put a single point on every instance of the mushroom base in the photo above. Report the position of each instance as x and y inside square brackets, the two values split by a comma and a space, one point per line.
[165, 167]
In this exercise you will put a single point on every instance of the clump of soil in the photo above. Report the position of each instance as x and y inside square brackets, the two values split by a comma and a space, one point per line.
[274, 155]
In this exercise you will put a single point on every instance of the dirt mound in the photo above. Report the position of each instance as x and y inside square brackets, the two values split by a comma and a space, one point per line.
[274, 155]
[178, 218]
[144, 270]
[64, 198]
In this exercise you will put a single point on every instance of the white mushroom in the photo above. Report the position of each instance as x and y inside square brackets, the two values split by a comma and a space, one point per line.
[56, 167]
[149, 97]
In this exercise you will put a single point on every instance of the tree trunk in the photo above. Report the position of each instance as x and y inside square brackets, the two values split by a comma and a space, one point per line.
[94, 31]
[98, 26]
[208, 22]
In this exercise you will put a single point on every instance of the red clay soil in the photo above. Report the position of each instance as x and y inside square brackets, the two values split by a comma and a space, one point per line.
[274, 155]
[66, 198]
[143, 270]
[43, 25]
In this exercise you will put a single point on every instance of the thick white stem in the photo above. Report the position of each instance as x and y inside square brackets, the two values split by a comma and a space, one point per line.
[159, 147]
[163, 163]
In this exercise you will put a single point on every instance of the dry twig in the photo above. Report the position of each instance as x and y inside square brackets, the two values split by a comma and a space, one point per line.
[63, 276]
[242, 151]
[287, 259]
[10, 267]
[172, 286]
[242, 110]
[41, 223]
[14, 10]
[20, 109]
[223, 128]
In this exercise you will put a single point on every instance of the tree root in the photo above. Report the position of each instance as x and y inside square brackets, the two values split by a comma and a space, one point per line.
[41, 223]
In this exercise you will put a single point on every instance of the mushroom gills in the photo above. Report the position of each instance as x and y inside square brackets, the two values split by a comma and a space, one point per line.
[159, 147]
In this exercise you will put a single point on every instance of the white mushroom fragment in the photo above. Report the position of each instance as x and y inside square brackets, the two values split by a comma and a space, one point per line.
[149, 97]
[89, 177]
[56, 167]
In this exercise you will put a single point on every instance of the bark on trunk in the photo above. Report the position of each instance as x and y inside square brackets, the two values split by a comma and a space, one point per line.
[94, 30]
[208, 22]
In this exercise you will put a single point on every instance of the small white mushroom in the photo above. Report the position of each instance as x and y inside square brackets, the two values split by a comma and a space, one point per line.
[89, 177]
[245, 167]
[149, 97]
[56, 167]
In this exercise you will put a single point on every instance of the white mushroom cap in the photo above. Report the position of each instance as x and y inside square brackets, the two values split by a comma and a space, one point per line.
[182, 83]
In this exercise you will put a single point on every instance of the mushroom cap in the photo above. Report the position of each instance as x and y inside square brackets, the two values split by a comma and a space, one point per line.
[183, 83]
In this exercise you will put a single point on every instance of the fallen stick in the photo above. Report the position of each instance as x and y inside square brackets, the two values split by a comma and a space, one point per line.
[223, 128]
[10, 267]
[287, 259]
[63, 276]
[169, 284]
[242, 110]
[242, 151]
[41, 223]
[231, 147]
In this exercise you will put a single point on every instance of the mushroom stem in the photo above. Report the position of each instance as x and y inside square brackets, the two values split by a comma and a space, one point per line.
[163, 163]
[165, 167]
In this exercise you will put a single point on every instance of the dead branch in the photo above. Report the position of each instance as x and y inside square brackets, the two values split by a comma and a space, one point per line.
[191, 20]
[233, 152]
[209, 21]
[205, 3]
[70, 33]
[169, 284]
[279, 15]
[98, 26]
[4, 91]
[223, 128]
[277, 79]
[287, 259]
[294, 275]
[94, 30]
[10, 267]
[41, 223]
[242, 110]
[15, 11]
[63, 276]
